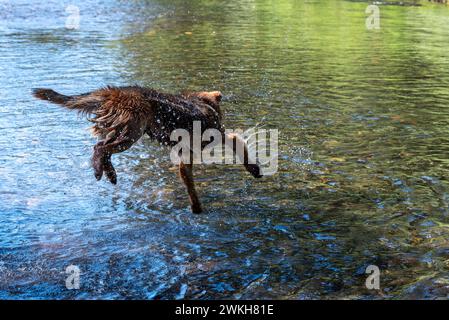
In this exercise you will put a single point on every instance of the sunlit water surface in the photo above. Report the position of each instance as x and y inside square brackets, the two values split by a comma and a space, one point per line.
[363, 118]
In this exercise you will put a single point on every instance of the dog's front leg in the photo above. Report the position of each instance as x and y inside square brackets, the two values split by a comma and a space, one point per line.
[185, 171]
[240, 148]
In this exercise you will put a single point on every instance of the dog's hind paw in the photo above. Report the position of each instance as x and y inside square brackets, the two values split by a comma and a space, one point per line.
[98, 175]
[98, 169]
[112, 176]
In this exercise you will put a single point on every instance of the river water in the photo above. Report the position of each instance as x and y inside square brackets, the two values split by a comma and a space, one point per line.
[362, 180]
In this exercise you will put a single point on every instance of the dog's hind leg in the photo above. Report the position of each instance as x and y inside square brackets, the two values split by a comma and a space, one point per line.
[109, 169]
[101, 162]
[185, 171]
[104, 150]
[102, 157]
[98, 160]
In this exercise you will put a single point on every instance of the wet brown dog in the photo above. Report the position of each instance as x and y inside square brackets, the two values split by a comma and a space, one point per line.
[123, 114]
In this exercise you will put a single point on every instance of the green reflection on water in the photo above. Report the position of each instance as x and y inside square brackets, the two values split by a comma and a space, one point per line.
[363, 121]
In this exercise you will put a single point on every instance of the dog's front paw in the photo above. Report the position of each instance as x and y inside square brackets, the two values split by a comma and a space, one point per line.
[254, 169]
[196, 208]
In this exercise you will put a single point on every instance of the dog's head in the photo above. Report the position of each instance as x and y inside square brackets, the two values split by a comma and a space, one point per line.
[212, 98]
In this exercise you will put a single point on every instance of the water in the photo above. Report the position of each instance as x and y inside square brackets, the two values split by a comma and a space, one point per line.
[363, 152]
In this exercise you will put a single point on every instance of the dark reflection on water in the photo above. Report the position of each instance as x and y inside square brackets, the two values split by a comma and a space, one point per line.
[363, 159]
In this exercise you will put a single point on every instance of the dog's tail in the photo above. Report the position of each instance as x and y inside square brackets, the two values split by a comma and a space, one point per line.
[50, 95]
[85, 103]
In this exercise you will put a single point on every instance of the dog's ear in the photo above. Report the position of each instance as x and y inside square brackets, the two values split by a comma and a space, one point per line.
[214, 96]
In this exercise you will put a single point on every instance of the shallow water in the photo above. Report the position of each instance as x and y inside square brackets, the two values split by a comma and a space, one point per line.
[362, 180]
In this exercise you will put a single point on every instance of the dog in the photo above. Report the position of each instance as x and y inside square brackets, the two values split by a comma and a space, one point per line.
[122, 115]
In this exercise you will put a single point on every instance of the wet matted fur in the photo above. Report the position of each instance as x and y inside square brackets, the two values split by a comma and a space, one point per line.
[121, 115]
